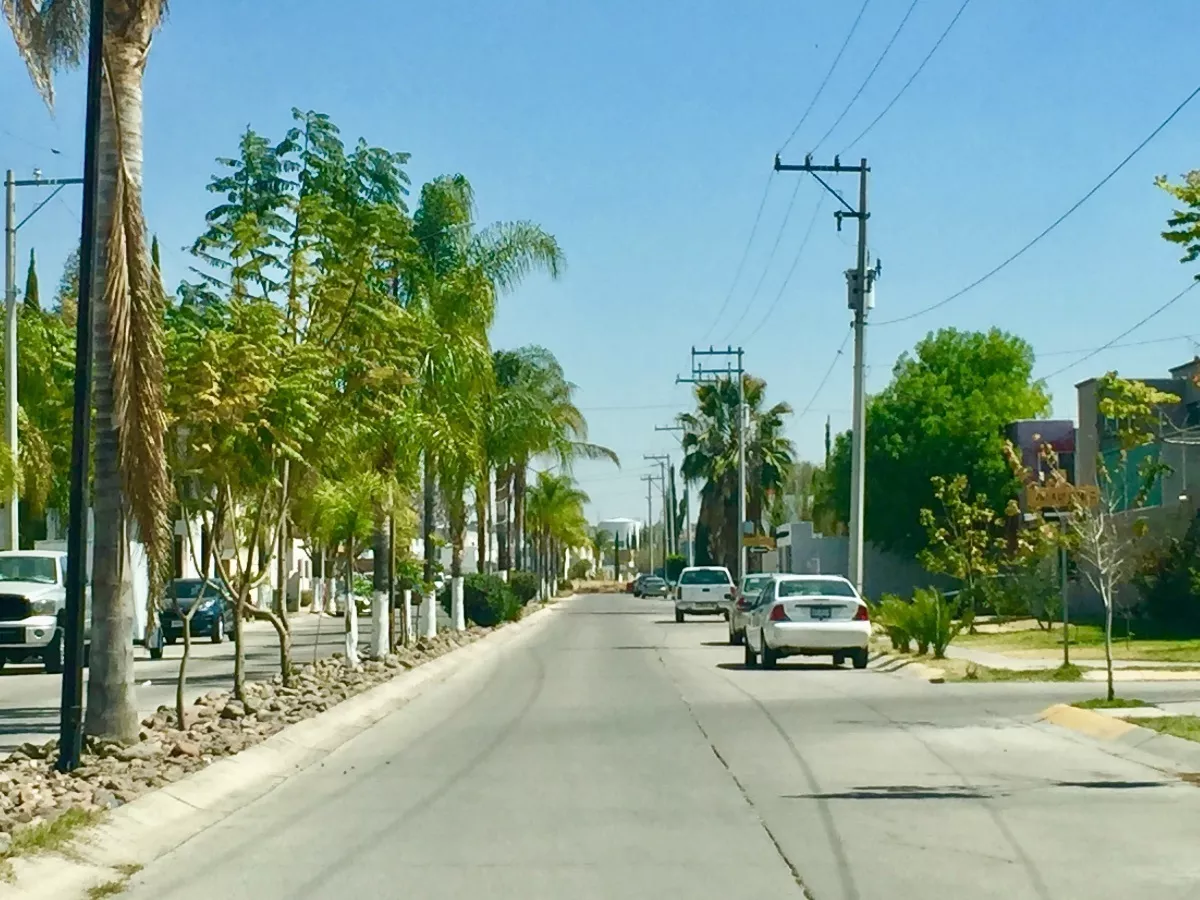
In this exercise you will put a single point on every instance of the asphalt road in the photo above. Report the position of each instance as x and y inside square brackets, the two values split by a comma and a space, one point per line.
[617, 754]
[30, 699]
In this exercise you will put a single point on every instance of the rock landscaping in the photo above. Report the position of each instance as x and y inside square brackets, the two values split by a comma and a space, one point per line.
[33, 794]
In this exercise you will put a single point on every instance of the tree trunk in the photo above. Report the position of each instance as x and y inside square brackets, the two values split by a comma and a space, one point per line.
[351, 628]
[427, 523]
[518, 522]
[506, 539]
[482, 493]
[380, 632]
[457, 507]
[1108, 660]
[406, 619]
[111, 705]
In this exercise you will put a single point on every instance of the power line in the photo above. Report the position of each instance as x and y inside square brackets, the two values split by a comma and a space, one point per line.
[1053, 225]
[875, 68]
[828, 75]
[741, 263]
[1111, 346]
[787, 214]
[623, 407]
[1125, 333]
[825, 378]
[795, 262]
[911, 78]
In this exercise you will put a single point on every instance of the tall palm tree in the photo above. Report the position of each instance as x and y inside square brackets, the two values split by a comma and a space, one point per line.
[710, 446]
[132, 489]
[458, 271]
[554, 507]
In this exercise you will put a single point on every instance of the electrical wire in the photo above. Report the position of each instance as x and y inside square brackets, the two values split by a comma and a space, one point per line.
[1110, 346]
[828, 75]
[742, 262]
[911, 78]
[828, 372]
[1125, 333]
[875, 68]
[1053, 225]
[795, 262]
[787, 214]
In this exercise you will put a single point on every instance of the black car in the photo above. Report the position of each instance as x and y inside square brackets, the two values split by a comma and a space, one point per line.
[651, 586]
[213, 618]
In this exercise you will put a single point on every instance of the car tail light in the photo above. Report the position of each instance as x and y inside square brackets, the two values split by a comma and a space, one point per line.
[778, 614]
[862, 614]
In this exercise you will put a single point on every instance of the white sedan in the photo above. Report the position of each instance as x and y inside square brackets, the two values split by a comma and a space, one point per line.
[808, 615]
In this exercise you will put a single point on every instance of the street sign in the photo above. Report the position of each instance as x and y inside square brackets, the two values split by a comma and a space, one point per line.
[760, 541]
[1057, 496]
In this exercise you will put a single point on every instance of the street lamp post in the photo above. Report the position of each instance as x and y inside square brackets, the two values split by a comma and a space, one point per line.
[11, 520]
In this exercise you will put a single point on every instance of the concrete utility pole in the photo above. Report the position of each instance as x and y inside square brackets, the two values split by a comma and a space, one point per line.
[860, 281]
[649, 479]
[10, 524]
[687, 507]
[662, 461]
[701, 375]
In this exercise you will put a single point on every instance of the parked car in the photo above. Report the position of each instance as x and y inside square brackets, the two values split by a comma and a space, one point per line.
[651, 586]
[744, 599]
[703, 591]
[33, 603]
[808, 615]
[213, 618]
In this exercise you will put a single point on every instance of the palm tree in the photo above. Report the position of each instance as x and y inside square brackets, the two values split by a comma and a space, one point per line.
[456, 275]
[710, 446]
[131, 487]
[554, 508]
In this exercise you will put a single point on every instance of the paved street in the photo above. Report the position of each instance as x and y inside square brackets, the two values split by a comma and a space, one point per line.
[29, 698]
[617, 754]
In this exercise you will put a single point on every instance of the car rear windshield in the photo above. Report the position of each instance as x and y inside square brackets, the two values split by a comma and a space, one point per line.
[816, 587]
[754, 583]
[654, 582]
[705, 576]
[190, 590]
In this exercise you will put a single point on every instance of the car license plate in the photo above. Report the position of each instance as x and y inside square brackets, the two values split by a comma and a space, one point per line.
[821, 612]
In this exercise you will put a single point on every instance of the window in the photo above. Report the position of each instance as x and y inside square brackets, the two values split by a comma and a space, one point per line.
[39, 569]
[752, 584]
[816, 587]
[705, 576]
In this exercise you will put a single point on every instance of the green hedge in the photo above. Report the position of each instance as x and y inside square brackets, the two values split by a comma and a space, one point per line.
[524, 584]
[487, 600]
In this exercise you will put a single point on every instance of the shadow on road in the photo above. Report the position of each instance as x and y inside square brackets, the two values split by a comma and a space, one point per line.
[900, 792]
[783, 667]
[29, 720]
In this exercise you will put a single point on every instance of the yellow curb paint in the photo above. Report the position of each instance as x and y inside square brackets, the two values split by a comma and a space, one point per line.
[1085, 721]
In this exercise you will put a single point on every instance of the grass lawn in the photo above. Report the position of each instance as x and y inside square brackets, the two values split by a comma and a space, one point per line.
[1087, 642]
[1178, 726]
[1115, 703]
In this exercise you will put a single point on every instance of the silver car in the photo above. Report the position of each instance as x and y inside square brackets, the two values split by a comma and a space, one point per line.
[744, 601]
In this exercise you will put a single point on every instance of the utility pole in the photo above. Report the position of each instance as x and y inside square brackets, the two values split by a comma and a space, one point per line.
[616, 555]
[11, 521]
[662, 461]
[701, 375]
[860, 282]
[687, 511]
[650, 479]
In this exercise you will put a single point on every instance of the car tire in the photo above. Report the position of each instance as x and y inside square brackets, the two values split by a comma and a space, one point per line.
[156, 652]
[859, 657]
[54, 657]
[769, 656]
[218, 631]
[733, 638]
[678, 617]
[839, 660]
[749, 657]
[170, 639]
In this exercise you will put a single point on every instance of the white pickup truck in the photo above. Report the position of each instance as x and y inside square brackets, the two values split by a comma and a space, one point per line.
[33, 601]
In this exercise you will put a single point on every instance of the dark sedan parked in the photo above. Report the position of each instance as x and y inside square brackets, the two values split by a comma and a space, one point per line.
[651, 586]
[213, 618]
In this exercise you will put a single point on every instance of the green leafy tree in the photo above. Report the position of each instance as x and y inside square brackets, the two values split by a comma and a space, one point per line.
[943, 414]
[31, 297]
[1183, 226]
[131, 486]
[555, 511]
[710, 446]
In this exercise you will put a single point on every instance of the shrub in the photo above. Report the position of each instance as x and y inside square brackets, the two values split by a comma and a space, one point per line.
[580, 569]
[933, 624]
[895, 615]
[674, 567]
[565, 585]
[524, 584]
[1168, 581]
[488, 600]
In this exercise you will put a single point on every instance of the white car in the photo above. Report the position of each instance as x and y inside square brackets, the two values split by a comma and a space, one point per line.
[33, 602]
[744, 600]
[808, 615]
[703, 591]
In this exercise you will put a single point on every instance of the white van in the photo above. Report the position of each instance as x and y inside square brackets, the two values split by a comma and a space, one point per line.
[703, 591]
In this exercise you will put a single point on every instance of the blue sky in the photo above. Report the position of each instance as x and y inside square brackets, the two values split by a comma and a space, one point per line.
[642, 135]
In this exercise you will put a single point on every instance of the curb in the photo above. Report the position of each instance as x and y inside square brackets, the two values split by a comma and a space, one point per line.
[888, 663]
[1119, 735]
[156, 823]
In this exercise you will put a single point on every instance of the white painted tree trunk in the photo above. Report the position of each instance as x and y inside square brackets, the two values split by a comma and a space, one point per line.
[408, 614]
[457, 612]
[352, 659]
[318, 592]
[429, 614]
[331, 596]
[503, 573]
[380, 626]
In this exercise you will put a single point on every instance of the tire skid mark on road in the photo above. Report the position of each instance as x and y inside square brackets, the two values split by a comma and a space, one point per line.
[447, 783]
[1036, 882]
[799, 879]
